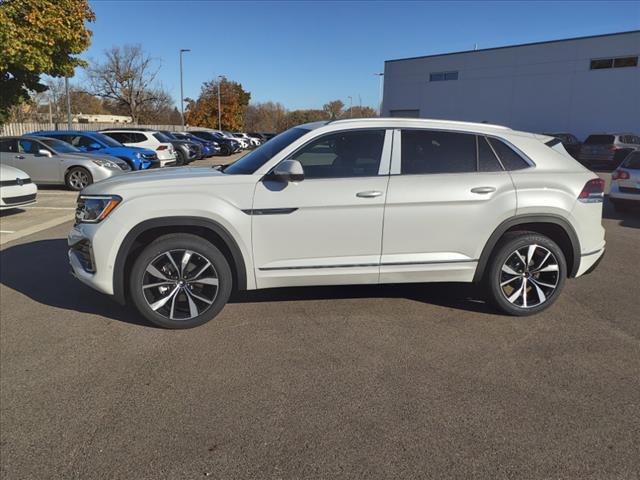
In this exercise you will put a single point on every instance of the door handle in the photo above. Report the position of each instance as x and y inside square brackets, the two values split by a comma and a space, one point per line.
[369, 194]
[483, 189]
[19, 157]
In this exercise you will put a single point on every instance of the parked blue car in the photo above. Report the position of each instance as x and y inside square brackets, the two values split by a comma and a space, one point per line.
[95, 142]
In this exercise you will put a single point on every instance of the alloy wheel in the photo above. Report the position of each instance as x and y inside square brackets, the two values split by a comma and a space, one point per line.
[180, 284]
[529, 276]
[79, 179]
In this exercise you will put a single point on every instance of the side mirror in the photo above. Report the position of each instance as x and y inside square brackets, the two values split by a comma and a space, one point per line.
[44, 153]
[289, 171]
[94, 146]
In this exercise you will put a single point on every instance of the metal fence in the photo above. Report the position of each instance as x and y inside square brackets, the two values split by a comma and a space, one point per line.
[26, 128]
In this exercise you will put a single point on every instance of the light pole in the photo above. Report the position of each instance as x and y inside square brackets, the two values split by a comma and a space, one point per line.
[380, 76]
[350, 106]
[182, 50]
[220, 77]
[66, 90]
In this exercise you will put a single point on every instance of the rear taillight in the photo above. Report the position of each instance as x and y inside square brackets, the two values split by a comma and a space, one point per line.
[593, 191]
[620, 175]
[162, 147]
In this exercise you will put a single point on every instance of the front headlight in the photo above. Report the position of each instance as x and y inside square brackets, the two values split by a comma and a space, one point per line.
[106, 163]
[95, 208]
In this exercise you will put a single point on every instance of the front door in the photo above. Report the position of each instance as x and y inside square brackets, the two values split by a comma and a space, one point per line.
[41, 168]
[327, 228]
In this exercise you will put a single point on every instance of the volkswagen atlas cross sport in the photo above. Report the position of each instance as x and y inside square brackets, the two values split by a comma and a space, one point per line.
[362, 201]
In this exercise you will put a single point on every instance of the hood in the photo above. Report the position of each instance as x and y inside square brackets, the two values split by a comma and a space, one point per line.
[159, 180]
[96, 156]
[8, 172]
[126, 151]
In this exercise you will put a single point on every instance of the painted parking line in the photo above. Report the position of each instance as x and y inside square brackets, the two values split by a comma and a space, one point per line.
[48, 208]
[7, 231]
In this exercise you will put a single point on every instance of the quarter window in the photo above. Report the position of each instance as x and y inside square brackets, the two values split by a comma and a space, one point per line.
[425, 151]
[341, 155]
[509, 158]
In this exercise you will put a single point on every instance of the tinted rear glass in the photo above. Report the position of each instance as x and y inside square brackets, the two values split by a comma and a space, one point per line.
[162, 137]
[600, 140]
[487, 161]
[425, 152]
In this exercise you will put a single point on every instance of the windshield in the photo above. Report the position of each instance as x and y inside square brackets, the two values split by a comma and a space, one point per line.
[59, 146]
[261, 155]
[599, 140]
[161, 137]
[110, 142]
[169, 135]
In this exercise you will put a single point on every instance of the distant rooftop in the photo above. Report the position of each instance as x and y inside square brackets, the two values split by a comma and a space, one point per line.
[513, 46]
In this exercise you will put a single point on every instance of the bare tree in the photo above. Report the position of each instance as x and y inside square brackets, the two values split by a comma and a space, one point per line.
[126, 77]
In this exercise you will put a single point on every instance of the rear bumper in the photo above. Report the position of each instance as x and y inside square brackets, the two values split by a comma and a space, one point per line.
[590, 261]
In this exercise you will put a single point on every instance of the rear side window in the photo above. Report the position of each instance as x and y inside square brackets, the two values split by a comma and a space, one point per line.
[121, 137]
[632, 162]
[487, 161]
[600, 140]
[508, 157]
[9, 146]
[425, 151]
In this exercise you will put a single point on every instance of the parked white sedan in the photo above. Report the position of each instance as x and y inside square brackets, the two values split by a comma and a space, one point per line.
[16, 188]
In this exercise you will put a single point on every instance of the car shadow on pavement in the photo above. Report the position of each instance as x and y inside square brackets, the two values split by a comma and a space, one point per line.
[40, 271]
[627, 219]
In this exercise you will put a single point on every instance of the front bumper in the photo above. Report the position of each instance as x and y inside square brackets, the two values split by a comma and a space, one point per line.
[84, 264]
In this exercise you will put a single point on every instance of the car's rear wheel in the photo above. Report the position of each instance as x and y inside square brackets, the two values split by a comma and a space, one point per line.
[225, 150]
[180, 281]
[526, 273]
[180, 158]
[78, 178]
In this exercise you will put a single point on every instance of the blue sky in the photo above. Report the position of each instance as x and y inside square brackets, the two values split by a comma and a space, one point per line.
[304, 54]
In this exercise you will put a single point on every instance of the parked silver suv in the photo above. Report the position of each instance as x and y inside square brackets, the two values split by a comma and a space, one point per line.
[607, 150]
[362, 201]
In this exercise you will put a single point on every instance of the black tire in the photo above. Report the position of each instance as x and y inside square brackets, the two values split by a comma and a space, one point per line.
[225, 150]
[78, 178]
[175, 311]
[179, 158]
[536, 294]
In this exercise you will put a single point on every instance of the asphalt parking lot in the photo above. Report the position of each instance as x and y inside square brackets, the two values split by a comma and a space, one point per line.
[406, 381]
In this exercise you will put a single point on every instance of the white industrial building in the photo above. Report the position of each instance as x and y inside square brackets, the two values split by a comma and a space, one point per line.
[578, 85]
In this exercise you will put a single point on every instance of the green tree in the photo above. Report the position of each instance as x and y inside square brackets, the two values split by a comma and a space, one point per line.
[203, 112]
[39, 37]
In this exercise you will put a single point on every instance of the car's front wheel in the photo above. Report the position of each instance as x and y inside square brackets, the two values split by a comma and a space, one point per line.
[526, 273]
[180, 281]
[78, 178]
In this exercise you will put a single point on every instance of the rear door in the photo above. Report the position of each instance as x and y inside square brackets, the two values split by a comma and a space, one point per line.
[447, 193]
[8, 151]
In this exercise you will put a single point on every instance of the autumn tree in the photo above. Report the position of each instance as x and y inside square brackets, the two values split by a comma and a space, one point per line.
[333, 108]
[39, 37]
[297, 117]
[265, 117]
[203, 111]
[127, 78]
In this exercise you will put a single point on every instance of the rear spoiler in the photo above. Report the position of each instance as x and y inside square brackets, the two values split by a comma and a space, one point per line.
[553, 142]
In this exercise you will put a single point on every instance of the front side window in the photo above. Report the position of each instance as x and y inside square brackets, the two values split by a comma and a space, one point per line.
[59, 146]
[29, 146]
[428, 151]
[509, 158]
[82, 141]
[121, 137]
[345, 154]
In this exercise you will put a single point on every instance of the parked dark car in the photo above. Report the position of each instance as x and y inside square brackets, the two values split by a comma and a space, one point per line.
[209, 148]
[607, 149]
[191, 150]
[227, 145]
[569, 141]
[185, 152]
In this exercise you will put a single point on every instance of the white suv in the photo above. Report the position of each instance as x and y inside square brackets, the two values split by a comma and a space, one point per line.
[362, 201]
[153, 140]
